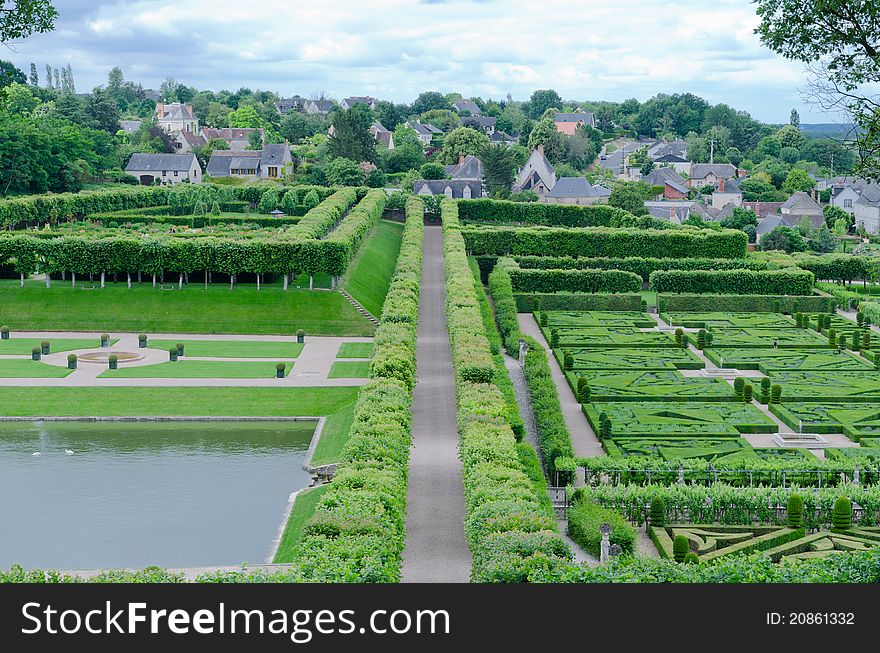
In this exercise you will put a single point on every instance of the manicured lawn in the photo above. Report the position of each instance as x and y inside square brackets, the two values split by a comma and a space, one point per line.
[349, 370]
[176, 402]
[334, 436]
[355, 350]
[24, 346]
[191, 310]
[233, 348]
[370, 274]
[194, 369]
[28, 369]
[303, 508]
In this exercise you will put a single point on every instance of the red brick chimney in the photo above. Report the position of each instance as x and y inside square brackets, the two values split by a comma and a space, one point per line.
[721, 185]
[540, 148]
[672, 212]
[189, 107]
[461, 159]
[160, 109]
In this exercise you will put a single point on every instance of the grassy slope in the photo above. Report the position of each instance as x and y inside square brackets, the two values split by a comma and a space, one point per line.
[191, 310]
[303, 508]
[195, 369]
[349, 370]
[334, 436]
[233, 348]
[355, 350]
[370, 274]
[28, 369]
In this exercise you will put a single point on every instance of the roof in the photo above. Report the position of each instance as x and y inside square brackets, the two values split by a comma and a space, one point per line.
[870, 196]
[538, 164]
[726, 212]
[672, 213]
[359, 99]
[130, 126]
[471, 168]
[704, 211]
[703, 170]
[799, 199]
[499, 136]
[176, 111]
[576, 187]
[770, 223]
[731, 187]
[467, 105]
[221, 161]
[480, 121]
[274, 153]
[576, 116]
[762, 209]
[439, 186]
[670, 158]
[243, 162]
[661, 176]
[324, 106]
[193, 139]
[423, 128]
[229, 133]
[144, 162]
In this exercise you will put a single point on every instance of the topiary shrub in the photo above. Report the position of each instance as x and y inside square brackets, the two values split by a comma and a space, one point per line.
[4, 332]
[605, 433]
[568, 360]
[832, 338]
[180, 347]
[172, 353]
[680, 548]
[584, 520]
[775, 393]
[777, 306]
[71, 361]
[142, 341]
[748, 393]
[795, 510]
[691, 558]
[279, 370]
[554, 339]
[841, 341]
[738, 385]
[856, 340]
[709, 338]
[583, 390]
[113, 361]
[765, 390]
[841, 514]
[657, 512]
[866, 341]
[105, 340]
[860, 318]
[661, 306]
[300, 336]
[35, 353]
[701, 339]
[44, 347]
[679, 337]
[545, 319]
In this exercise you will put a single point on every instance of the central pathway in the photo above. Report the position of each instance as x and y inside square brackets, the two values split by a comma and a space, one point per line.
[435, 547]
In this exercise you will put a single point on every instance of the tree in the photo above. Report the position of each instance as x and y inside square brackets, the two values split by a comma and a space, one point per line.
[823, 241]
[740, 218]
[734, 155]
[795, 119]
[631, 196]
[407, 154]
[48, 76]
[835, 213]
[25, 17]
[35, 78]
[545, 133]
[840, 40]
[296, 126]
[351, 135]
[246, 117]
[542, 100]
[433, 171]
[798, 180]
[101, 111]
[9, 74]
[499, 168]
[790, 136]
[342, 171]
[461, 141]
[390, 115]
[784, 238]
[428, 101]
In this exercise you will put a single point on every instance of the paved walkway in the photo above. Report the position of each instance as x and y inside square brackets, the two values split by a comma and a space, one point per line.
[310, 368]
[584, 440]
[435, 547]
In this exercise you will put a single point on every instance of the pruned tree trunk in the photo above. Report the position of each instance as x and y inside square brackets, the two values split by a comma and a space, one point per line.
[231, 281]
[180, 282]
[22, 279]
[286, 281]
[128, 279]
[48, 280]
[102, 280]
[64, 275]
[140, 280]
[73, 279]
[206, 279]
[311, 282]
[154, 281]
[258, 282]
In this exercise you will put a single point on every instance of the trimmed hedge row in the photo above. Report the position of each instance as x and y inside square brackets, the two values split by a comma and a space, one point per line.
[340, 245]
[535, 213]
[509, 528]
[577, 281]
[584, 520]
[638, 265]
[745, 303]
[530, 302]
[835, 267]
[734, 282]
[357, 531]
[555, 440]
[195, 221]
[683, 242]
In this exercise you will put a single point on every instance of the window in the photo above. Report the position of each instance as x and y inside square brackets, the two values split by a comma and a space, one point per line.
[164, 173]
[847, 204]
[176, 173]
[273, 171]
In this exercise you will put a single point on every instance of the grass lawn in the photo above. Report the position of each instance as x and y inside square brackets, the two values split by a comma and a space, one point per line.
[370, 274]
[303, 508]
[649, 296]
[233, 348]
[191, 369]
[349, 370]
[28, 369]
[355, 350]
[191, 310]
[23, 346]
[176, 402]
[333, 436]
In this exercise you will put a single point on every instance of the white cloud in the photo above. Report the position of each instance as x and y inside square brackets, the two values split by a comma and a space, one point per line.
[602, 49]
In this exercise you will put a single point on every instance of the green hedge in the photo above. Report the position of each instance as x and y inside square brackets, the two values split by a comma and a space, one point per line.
[584, 519]
[734, 282]
[605, 242]
[576, 281]
[871, 311]
[530, 302]
[745, 303]
[638, 265]
[535, 213]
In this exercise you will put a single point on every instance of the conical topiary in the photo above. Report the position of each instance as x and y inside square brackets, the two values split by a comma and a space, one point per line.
[841, 515]
[680, 548]
[657, 512]
[795, 509]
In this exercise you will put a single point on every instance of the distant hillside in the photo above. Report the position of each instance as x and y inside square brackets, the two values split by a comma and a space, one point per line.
[827, 130]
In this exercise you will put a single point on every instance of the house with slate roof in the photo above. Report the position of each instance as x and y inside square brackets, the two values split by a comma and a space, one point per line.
[274, 161]
[424, 131]
[453, 188]
[567, 123]
[726, 192]
[469, 106]
[349, 102]
[318, 107]
[867, 209]
[176, 117]
[468, 167]
[238, 138]
[537, 175]
[674, 187]
[799, 206]
[164, 168]
[382, 135]
[575, 190]
[286, 105]
[483, 123]
[708, 174]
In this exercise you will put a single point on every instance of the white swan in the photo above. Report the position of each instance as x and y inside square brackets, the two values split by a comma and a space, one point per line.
[36, 453]
[69, 452]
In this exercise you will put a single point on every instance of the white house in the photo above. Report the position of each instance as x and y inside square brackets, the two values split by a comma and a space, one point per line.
[726, 192]
[867, 209]
[274, 161]
[537, 174]
[176, 117]
[349, 102]
[424, 131]
[165, 168]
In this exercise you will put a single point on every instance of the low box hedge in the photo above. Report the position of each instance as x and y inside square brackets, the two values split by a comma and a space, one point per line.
[584, 520]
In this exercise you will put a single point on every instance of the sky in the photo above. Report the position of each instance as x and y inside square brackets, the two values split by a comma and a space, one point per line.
[395, 49]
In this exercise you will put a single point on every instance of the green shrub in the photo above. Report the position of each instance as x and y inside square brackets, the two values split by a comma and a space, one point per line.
[860, 318]
[748, 393]
[680, 548]
[691, 558]
[728, 303]
[832, 338]
[701, 339]
[866, 340]
[584, 520]
[545, 319]
[765, 390]
[576, 281]
[737, 282]
[554, 339]
[679, 337]
[568, 360]
[841, 341]
[657, 512]
[777, 306]
[661, 305]
[856, 340]
[841, 515]
[583, 390]
[775, 393]
[738, 387]
[795, 511]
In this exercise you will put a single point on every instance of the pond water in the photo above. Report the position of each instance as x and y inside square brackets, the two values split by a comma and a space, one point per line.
[133, 494]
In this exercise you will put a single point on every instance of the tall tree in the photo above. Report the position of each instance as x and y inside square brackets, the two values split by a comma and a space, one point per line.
[545, 133]
[795, 119]
[57, 79]
[351, 136]
[428, 101]
[48, 76]
[9, 74]
[542, 100]
[461, 141]
[21, 18]
[499, 168]
[839, 40]
[35, 79]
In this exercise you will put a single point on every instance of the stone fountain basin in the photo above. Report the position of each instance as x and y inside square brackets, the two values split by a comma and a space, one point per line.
[103, 357]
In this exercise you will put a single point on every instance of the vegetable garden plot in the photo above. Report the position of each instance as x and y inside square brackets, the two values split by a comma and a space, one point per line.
[720, 320]
[764, 338]
[598, 319]
[642, 385]
[642, 359]
[684, 419]
[600, 337]
[821, 387]
[769, 360]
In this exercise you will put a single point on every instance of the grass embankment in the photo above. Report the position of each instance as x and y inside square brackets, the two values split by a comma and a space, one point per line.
[193, 309]
[233, 348]
[195, 369]
[370, 274]
[303, 508]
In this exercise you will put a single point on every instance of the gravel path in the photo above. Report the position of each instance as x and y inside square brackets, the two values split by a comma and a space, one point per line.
[435, 547]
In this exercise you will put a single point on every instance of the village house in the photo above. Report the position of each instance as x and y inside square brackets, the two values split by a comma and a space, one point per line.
[483, 123]
[164, 168]
[466, 106]
[238, 138]
[350, 102]
[453, 188]
[537, 175]
[274, 161]
[867, 209]
[567, 123]
[575, 190]
[468, 168]
[286, 105]
[382, 135]
[726, 192]
[424, 131]
[185, 141]
[318, 107]
[176, 117]
[674, 187]
[708, 174]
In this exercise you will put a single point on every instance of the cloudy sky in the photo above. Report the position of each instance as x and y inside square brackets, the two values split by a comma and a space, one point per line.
[393, 49]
